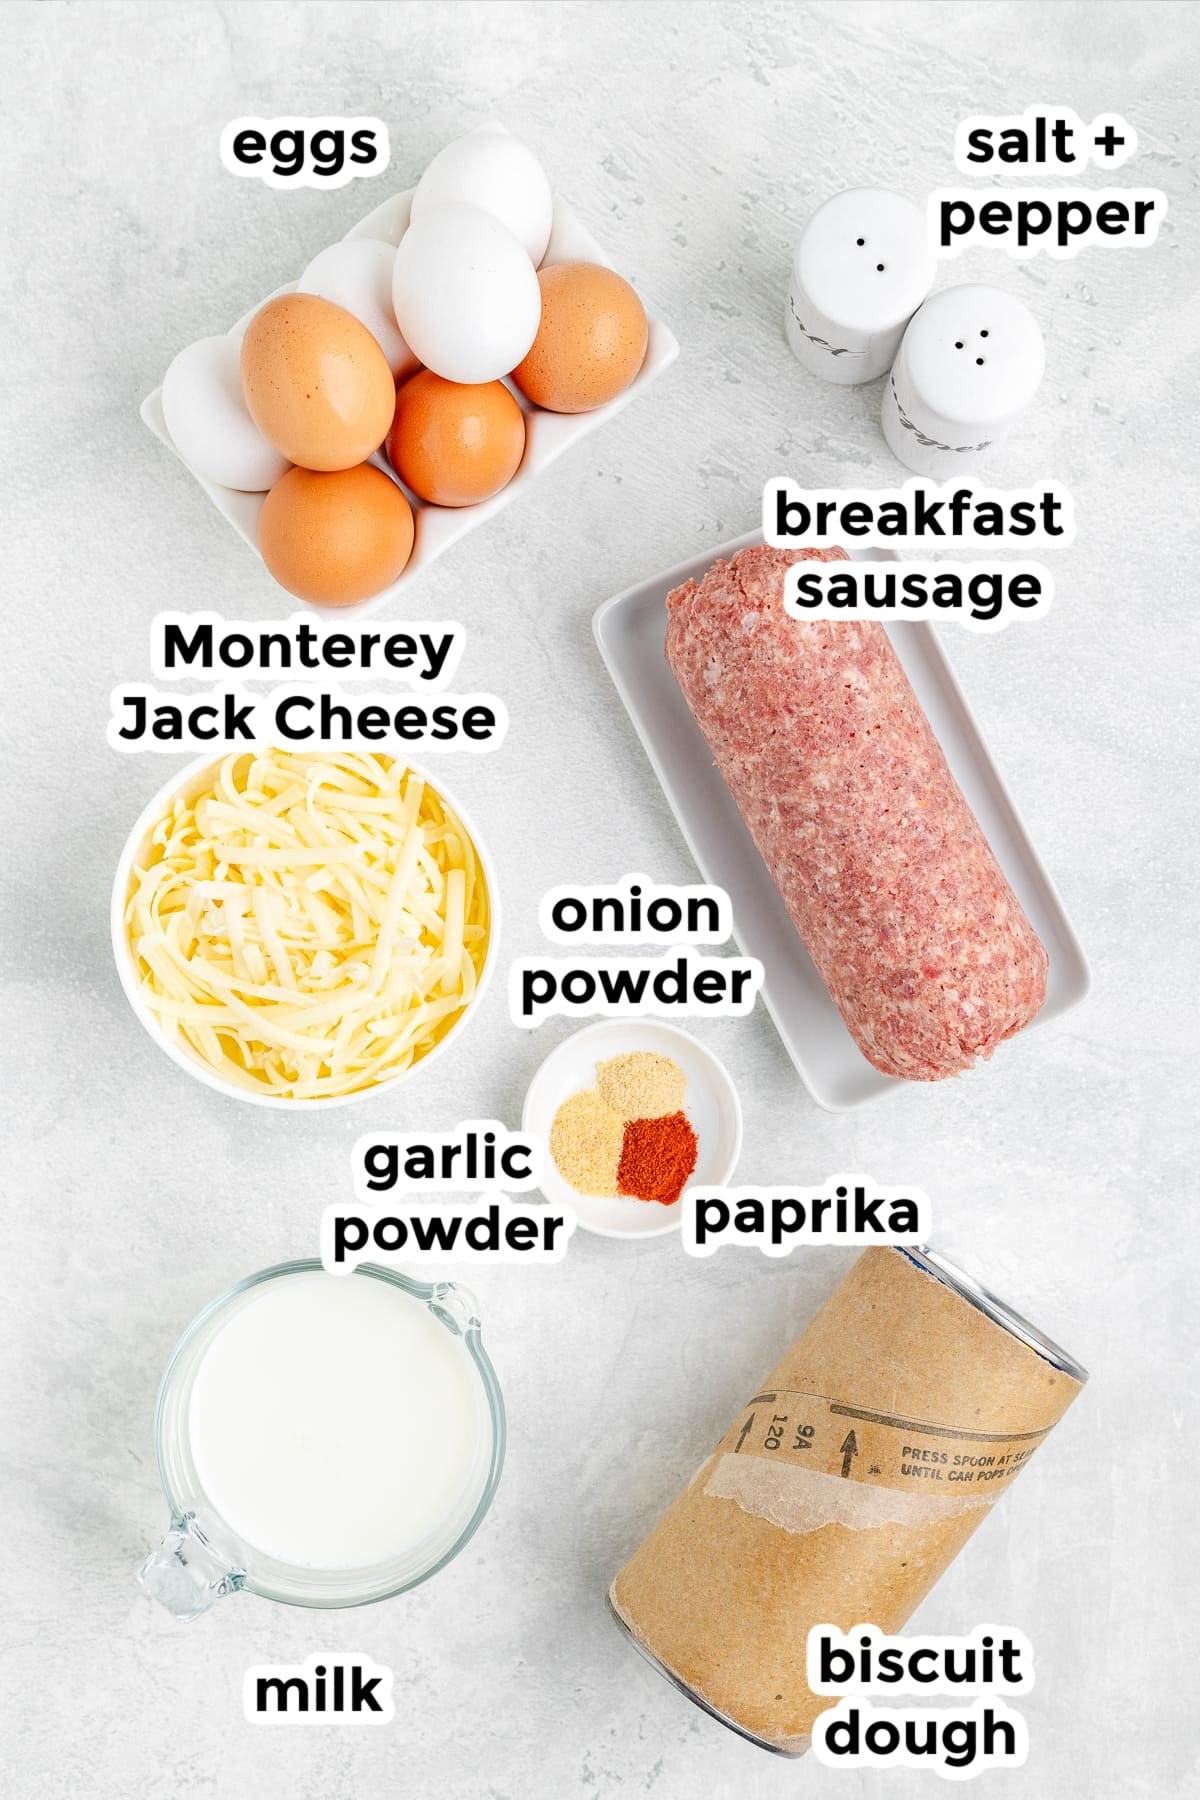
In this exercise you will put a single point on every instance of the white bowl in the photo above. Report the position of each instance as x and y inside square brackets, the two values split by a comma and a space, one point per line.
[188, 784]
[711, 1104]
[547, 434]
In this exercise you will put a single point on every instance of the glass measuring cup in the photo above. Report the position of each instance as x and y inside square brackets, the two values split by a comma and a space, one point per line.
[202, 1558]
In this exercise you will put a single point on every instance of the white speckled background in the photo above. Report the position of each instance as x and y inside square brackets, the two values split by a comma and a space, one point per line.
[693, 139]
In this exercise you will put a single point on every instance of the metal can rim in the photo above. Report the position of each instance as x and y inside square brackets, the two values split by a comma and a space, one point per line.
[993, 1308]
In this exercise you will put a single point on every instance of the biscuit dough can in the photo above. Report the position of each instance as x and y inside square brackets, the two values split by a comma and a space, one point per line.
[844, 1488]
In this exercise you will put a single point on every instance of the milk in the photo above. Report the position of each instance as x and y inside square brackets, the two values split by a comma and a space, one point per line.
[334, 1423]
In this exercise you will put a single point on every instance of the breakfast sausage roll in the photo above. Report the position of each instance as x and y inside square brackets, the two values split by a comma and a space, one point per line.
[880, 861]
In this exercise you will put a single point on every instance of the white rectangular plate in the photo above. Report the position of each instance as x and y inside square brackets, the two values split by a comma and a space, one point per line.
[631, 633]
[547, 434]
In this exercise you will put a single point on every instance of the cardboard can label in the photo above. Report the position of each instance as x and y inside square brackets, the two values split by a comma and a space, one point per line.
[843, 1489]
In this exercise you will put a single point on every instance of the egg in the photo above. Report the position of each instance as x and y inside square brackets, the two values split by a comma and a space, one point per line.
[453, 444]
[210, 425]
[490, 169]
[465, 294]
[338, 537]
[357, 274]
[590, 343]
[316, 382]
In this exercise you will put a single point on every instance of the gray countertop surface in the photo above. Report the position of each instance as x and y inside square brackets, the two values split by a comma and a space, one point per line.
[694, 140]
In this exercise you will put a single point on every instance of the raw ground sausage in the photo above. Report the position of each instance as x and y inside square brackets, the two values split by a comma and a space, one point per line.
[880, 861]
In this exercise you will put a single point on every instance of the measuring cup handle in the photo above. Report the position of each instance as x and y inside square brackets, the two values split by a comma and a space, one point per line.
[184, 1574]
[456, 1306]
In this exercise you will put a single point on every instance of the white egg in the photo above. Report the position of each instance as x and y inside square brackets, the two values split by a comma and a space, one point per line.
[207, 417]
[357, 274]
[466, 295]
[498, 173]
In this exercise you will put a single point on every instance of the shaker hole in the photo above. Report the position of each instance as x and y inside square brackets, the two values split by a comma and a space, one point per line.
[958, 346]
[860, 242]
[979, 360]
[983, 334]
[879, 266]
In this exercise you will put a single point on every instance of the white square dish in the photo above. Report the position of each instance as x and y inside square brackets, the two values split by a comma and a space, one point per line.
[630, 631]
[547, 434]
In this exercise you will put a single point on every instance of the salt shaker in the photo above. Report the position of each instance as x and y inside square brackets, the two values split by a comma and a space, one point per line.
[861, 269]
[970, 363]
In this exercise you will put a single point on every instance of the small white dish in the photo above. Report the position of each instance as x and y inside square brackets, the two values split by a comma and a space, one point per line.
[630, 630]
[547, 434]
[190, 782]
[711, 1103]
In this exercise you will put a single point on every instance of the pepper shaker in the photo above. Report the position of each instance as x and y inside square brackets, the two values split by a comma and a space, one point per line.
[861, 269]
[970, 362]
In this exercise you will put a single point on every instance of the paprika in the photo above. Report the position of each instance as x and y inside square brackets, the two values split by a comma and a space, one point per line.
[657, 1157]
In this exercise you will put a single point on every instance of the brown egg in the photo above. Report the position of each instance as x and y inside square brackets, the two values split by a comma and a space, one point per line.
[317, 384]
[338, 537]
[453, 444]
[591, 341]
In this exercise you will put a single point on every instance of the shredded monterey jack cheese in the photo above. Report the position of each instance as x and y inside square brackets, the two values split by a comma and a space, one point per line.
[308, 924]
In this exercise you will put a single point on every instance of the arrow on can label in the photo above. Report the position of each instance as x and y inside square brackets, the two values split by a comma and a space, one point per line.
[746, 1433]
[849, 1452]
